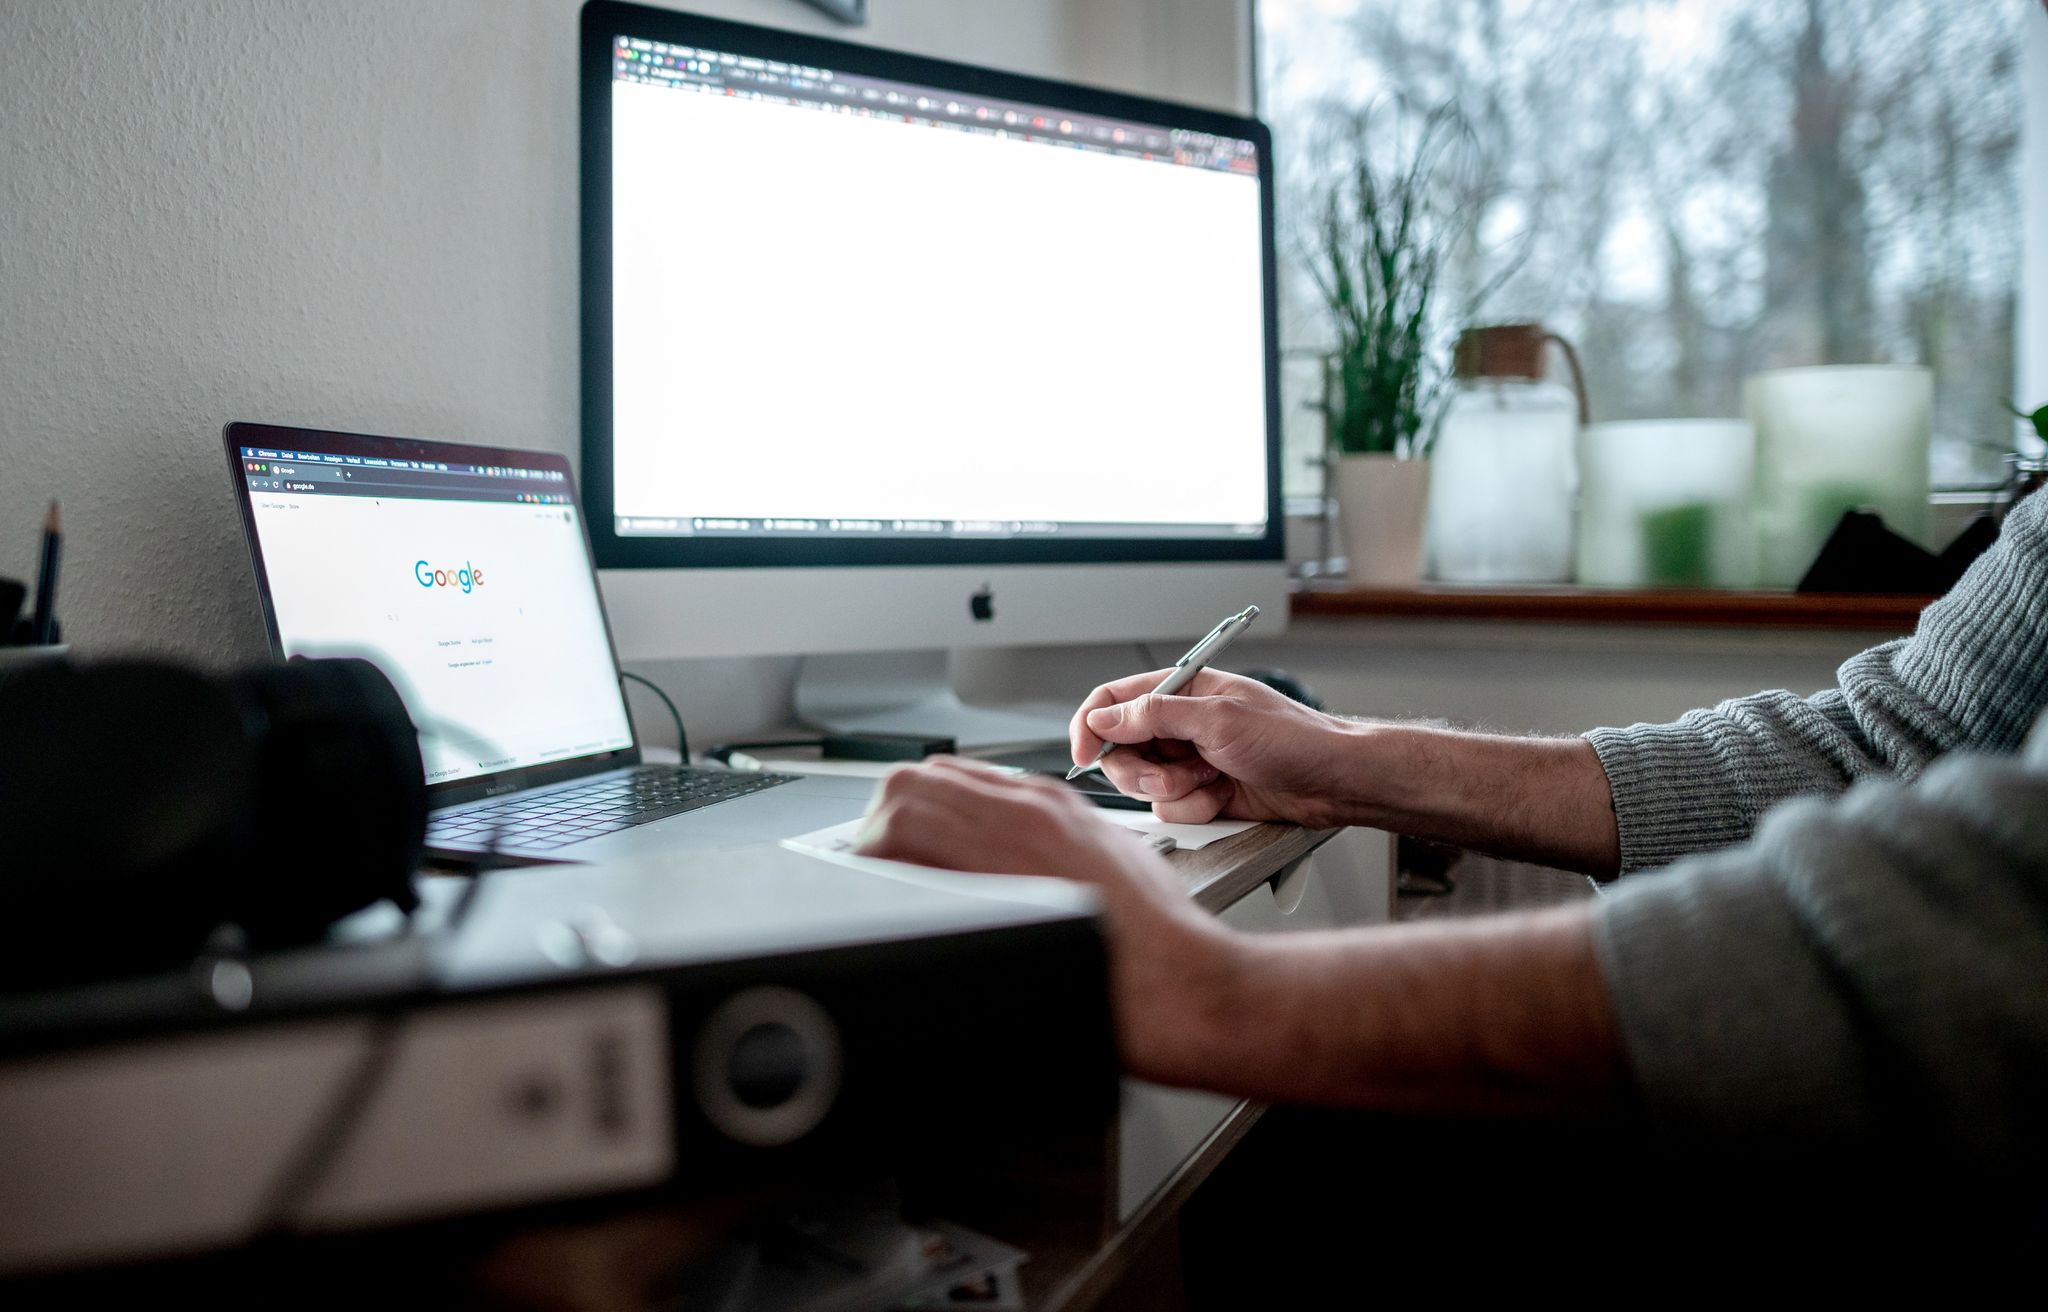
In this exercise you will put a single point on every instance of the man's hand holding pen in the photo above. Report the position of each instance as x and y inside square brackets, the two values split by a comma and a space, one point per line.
[1223, 746]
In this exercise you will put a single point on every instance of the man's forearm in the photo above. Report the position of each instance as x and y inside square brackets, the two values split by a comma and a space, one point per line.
[1533, 799]
[1504, 1016]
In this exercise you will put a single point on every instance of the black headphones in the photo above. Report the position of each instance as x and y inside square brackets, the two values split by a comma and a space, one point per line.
[144, 806]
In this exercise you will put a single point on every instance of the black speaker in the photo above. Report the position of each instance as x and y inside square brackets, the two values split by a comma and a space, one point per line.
[145, 806]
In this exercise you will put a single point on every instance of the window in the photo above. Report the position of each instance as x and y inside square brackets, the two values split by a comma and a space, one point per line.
[1694, 190]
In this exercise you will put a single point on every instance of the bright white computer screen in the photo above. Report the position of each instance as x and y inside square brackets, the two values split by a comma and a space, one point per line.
[468, 586]
[843, 306]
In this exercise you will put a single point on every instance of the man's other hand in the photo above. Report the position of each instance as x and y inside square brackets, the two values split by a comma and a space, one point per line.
[1169, 960]
[962, 815]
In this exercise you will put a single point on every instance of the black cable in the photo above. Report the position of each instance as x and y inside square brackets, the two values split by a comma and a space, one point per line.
[682, 739]
[317, 1152]
[722, 752]
[314, 1157]
[492, 858]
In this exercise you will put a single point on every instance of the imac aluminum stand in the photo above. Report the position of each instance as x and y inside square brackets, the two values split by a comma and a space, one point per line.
[912, 692]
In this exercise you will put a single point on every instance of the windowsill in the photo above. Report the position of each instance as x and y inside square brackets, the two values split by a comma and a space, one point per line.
[1563, 604]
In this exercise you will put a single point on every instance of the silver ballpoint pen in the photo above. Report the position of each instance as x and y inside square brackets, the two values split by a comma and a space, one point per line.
[1185, 669]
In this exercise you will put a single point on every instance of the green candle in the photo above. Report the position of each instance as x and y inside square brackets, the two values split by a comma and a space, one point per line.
[1676, 544]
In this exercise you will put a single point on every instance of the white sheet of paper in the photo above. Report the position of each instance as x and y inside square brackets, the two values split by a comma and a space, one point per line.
[836, 845]
[839, 839]
[811, 765]
[1187, 838]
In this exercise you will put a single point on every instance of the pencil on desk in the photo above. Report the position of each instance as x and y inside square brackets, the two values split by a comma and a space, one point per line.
[45, 629]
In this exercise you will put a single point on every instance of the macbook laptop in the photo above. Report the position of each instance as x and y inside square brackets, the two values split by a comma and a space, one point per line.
[465, 575]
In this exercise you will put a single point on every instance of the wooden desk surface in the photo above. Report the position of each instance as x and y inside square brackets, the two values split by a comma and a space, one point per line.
[1221, 873]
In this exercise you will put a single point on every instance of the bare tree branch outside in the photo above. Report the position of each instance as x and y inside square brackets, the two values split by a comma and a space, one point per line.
[1698, 189]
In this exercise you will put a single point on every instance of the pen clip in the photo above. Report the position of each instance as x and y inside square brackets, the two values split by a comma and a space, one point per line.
[1207, 638]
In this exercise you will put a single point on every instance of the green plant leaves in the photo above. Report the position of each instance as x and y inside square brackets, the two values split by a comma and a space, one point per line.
[1381, 243]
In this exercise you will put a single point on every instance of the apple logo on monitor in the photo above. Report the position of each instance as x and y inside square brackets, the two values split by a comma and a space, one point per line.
[982, 604]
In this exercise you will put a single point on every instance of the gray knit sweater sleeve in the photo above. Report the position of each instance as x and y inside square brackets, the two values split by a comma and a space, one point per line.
[1873, 966]
[1973, 676]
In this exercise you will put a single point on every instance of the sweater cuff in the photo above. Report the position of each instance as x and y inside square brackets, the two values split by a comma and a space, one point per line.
[1671, 795]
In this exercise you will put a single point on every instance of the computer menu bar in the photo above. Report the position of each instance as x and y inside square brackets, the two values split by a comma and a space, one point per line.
[783, 526]
[716, 72]
[311, 473]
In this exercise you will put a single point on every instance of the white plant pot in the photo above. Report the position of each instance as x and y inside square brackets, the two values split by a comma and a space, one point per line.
[1380, 504]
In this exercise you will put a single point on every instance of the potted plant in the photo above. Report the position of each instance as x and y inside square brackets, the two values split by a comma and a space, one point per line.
[2026, 471]
[1382, 242]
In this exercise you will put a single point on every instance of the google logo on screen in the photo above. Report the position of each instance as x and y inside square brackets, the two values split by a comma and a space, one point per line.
[467, 578]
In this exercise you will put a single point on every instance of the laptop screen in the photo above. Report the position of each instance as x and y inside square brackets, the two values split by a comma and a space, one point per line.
[469, 585]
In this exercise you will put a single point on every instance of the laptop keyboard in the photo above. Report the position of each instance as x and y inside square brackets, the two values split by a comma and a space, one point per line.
[543, 821]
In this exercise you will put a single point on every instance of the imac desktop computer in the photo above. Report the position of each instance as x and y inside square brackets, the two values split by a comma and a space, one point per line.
[886, 357]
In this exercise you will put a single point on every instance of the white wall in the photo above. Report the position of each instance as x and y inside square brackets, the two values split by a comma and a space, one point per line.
[353, 214]
[1192, 50]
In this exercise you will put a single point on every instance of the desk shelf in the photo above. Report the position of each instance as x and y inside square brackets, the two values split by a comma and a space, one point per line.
[1227, 869]
[1886, 612]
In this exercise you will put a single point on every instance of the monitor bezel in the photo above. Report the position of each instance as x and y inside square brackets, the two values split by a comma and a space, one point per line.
[496, 783]
[605, 20]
